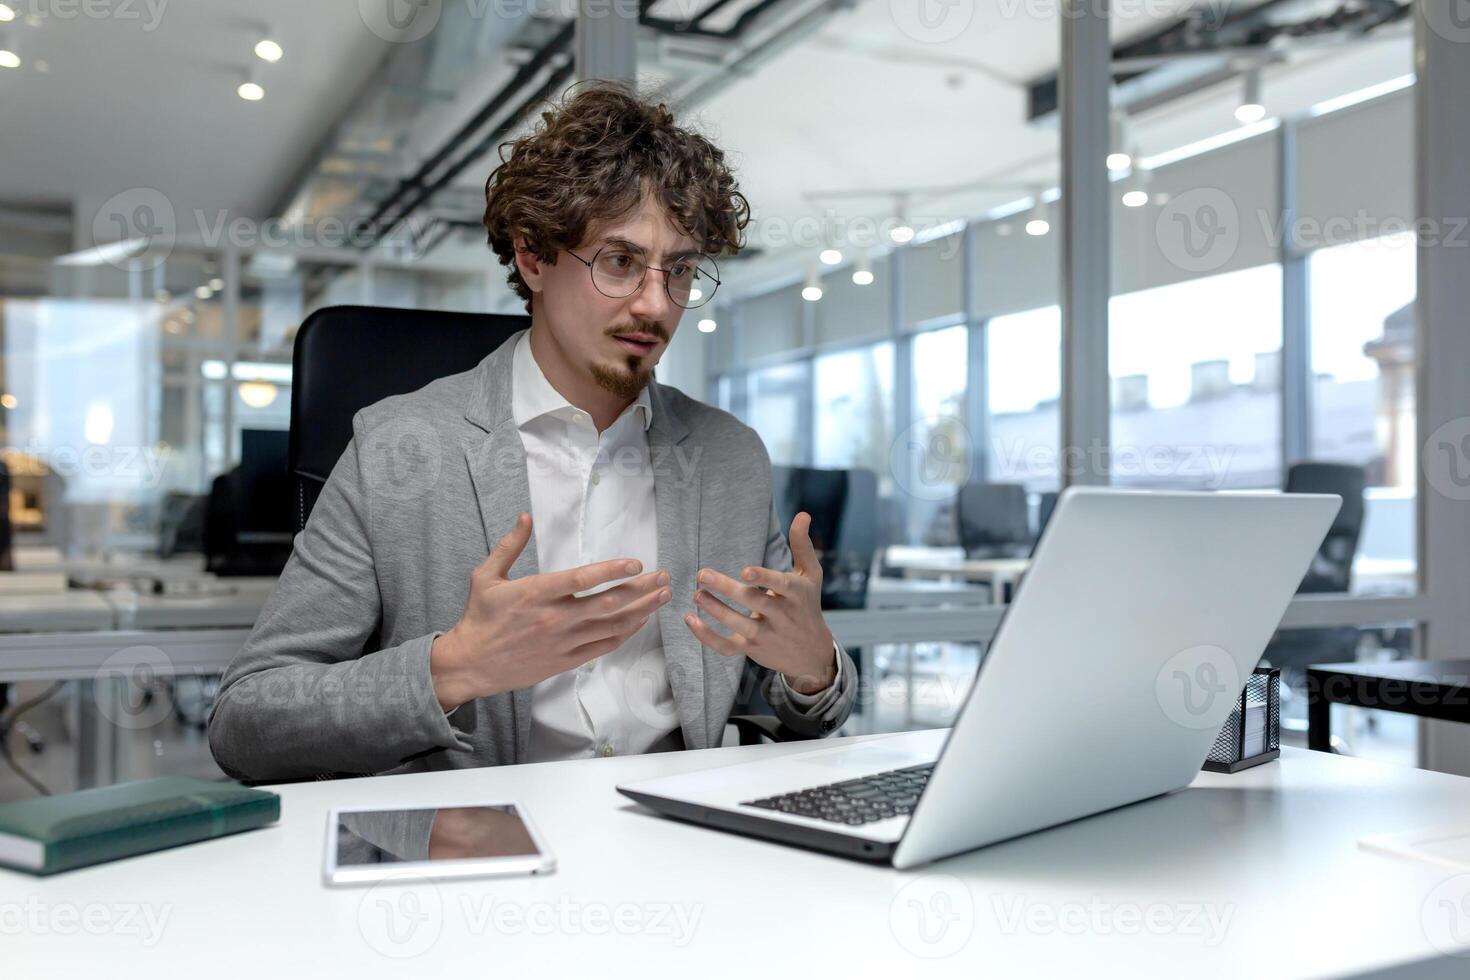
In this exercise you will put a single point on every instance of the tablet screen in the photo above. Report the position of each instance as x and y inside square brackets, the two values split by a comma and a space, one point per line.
[445, 834]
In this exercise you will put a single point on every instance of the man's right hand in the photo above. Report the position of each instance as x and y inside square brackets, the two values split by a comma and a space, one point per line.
[516, 632]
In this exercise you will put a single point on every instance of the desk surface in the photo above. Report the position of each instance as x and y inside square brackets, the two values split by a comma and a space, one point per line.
[1271, 852]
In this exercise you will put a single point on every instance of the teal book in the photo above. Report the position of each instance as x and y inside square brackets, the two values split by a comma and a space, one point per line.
[72, 830]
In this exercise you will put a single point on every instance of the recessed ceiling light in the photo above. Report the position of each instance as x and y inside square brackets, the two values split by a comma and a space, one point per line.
[9, 59]
[830, 256]
[216, 284]
[1252, 108]
[707, 326]
[250, 91]
[7, 13]
[268, 50]
[203, 292]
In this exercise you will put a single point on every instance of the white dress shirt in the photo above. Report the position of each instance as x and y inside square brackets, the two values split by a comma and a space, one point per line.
[592, 500]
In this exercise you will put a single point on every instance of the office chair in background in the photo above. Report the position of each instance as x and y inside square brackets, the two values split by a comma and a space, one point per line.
[843, 505]
[992, 521]
[1331, 571]
[349, 357]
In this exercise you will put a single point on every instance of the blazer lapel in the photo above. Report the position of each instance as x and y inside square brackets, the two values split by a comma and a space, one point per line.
[497, 467]
[676, 500]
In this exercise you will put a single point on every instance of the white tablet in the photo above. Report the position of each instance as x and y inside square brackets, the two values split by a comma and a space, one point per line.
[434, 841]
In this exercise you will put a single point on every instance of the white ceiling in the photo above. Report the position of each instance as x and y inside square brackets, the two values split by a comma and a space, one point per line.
[124, 106]
[860, 103]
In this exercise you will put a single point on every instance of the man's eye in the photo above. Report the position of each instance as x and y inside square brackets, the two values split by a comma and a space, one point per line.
[682, 270]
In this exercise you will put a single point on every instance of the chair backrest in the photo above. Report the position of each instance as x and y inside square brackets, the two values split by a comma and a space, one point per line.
[348, 357]
[1332, 568]
[991, 516]
[843, 505]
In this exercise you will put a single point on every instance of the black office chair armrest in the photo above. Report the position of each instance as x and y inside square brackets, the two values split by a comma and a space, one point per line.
[753, 728]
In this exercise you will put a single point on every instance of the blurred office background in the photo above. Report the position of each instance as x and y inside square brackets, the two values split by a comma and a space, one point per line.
[182, 187]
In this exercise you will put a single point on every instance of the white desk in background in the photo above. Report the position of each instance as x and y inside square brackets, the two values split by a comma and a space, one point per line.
[1001, 574]
[1254, 875]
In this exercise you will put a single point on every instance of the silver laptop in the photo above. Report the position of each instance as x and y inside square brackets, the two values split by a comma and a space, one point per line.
[1134, 631]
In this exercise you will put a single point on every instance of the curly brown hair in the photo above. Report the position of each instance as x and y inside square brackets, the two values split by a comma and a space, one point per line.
[593, 157]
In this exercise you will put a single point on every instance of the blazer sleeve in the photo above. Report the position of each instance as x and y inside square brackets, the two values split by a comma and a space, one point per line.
[303, 698]
[817, 715]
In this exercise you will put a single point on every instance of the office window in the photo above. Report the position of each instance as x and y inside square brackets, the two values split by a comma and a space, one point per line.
[854, 410]
[1362, 339]
[1196, 369]
[1023, 385]
[777, 396]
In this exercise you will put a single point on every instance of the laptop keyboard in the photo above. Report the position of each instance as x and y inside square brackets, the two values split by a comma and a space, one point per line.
[855, 801]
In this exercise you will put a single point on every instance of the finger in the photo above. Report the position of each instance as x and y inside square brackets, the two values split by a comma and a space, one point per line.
[508, 548]
[730, 619]
[584, 577]
[803, 552]
[747, 595]
[781, 583]
[625, 620]
[611, 600]
[730, 646]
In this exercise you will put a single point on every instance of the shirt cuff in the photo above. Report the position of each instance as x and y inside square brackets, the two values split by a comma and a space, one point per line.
[807, 700]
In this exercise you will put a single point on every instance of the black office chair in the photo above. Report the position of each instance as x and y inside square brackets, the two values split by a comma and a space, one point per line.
[843, 505]
[1332, 567]
[349, 357]
[991, 520]
[1331, 570]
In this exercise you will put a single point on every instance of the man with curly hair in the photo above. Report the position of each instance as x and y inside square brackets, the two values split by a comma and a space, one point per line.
[637, 573]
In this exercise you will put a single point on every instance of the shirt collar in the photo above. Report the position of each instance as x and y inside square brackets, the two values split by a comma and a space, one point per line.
[532, 396]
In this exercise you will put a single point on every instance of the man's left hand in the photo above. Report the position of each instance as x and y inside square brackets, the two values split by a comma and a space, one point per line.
[784, 630]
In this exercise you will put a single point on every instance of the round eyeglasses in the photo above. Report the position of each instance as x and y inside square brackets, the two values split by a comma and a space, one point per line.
[618, 271]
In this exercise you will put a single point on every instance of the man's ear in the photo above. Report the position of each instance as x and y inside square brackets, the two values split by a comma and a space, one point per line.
[529, 265]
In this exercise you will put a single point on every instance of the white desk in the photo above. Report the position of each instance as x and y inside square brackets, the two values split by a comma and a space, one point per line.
[1274, 848]
[1001, 574]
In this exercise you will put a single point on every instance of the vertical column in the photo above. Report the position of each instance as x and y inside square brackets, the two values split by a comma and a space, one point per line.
[1086, 80]
[1296, 340]
[1442, 200]
[607, 40]
[231, 271]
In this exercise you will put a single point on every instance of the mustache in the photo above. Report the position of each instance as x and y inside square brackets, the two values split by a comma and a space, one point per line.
[652, 329]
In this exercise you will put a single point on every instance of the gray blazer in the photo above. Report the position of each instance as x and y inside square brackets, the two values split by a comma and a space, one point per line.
[335, 676]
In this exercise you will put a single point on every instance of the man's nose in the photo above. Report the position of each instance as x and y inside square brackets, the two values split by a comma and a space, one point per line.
[652, 301]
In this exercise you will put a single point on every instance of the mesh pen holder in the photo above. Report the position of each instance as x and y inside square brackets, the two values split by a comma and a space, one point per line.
[1252, 733]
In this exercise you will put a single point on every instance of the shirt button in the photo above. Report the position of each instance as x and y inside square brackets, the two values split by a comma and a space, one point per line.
[607, 750]
[578, 418]
[595, 478]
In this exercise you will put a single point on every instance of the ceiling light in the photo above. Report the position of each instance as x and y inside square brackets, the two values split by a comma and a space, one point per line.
[707, 325]
[1118, 157]
[8, 400]
[695, 294]
[257, 394]
[830, 256]
[902, 233]
[7, 13]
[9, 59]
[250, 91]
[812, 291]
[1135, 191]
[109, 254]
[204, 292]
[1036, 223]
[268, 50]
[216, 284]
[1252, 108]
[862, 275]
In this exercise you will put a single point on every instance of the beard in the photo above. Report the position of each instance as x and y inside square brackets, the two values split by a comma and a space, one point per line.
[625, 381]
